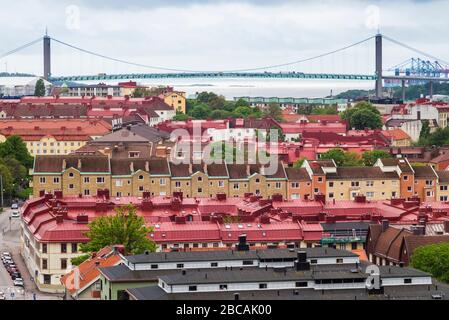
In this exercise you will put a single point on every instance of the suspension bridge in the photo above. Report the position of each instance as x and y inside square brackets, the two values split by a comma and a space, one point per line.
[412, 71]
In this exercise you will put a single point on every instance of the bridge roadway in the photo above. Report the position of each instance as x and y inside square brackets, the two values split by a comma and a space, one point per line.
[196, 75]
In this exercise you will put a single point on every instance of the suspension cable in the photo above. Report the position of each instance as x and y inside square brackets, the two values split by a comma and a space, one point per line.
[415, 50]
[20, 48]
[196, 71]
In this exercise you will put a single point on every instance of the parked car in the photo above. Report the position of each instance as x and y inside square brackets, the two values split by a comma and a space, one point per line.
[19, 282]
[7, 262]
[15, 214]
[16, 275]
[15, 206]
[2, 295]
[12, 270]
[6, 254]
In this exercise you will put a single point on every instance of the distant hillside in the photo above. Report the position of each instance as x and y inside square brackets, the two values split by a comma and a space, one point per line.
[411, 93]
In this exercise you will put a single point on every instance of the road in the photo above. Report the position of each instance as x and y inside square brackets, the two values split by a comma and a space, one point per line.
[10, 241]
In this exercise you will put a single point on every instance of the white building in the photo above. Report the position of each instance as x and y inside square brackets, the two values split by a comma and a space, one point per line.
[20, 86]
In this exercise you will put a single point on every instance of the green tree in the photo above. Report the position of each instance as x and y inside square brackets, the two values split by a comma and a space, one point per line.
[8, 179]
[125, 228]
[78, 260]
[433, 259]
[370, 157]
[298, 164]
[242, 103]
[364, 119]
[180, 117]
[273, 111]
[39, 90]
[242, 112]
[15, 147]
[425, 130]
[343, 159]
[201, 111]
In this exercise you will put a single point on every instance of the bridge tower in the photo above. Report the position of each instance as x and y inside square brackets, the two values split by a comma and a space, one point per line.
[379, 81]
[47, 56]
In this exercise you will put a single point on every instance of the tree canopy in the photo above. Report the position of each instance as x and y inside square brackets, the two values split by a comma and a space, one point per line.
[370, 157]
[39, 90]
[125, 228]
[342, 158]
[363, 116]
[273, 111]
[433, 259]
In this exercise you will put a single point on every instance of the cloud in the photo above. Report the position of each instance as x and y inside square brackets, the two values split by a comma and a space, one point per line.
[211, 35]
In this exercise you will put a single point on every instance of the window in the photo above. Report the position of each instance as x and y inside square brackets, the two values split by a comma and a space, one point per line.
[370, 195]
[409, 189]
[278, 185]
[141, 177]
[223, 287]
[74, 247]
[63, 264]
[263, 286]
[162, 182]
[47, 279]
[44, 264]
[214, 265]
[405, 178]
[100, 180]
[370, 183]
[301, 285]
[443, 198]
[63, 248]
[236, 186]
[141, 189]
[154, 266]
[339, 261]
[331, 184]
[331, 195]
[354, 246]
[443, 188]
[119, 183]
[200, 190]
[56, 180]
[355, 184]
[429, 194]
[248, 263]
[295, 185]
[314, 261]
[134, 154]
[42, 180]
[71, 186]
[257, 180]
[193, 288]
[200, 179]
[320, 179]
[407, 281]
[71, 175]
[180, 266]
[87, 192]
[44, 248]
[429, 183]
[86, 180]
[221, 184]
[177, 184]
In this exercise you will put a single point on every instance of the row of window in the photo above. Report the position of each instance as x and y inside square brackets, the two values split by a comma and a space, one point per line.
[57, 180]
[63, 248]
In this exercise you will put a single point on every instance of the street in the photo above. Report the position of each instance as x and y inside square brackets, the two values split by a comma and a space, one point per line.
[10, 241]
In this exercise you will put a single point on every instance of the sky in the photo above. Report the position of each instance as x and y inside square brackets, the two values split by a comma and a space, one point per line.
[218, 35]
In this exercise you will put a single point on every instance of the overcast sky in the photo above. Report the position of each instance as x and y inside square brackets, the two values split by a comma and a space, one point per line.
[218, 35]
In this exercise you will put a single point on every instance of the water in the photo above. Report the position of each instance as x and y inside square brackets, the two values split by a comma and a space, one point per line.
[231, 88]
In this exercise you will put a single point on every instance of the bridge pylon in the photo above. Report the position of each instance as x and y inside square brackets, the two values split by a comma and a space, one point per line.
[379, 67]
[47, 57]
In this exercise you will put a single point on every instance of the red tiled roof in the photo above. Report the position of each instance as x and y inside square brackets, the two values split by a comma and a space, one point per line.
[396, 134]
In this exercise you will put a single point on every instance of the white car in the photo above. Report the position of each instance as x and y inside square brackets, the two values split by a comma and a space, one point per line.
[2, 296]
[6, 255]
[14, 206]
[19, 282]
[15, 214]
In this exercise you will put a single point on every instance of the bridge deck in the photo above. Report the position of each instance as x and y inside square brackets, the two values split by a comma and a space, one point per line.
[264, 75]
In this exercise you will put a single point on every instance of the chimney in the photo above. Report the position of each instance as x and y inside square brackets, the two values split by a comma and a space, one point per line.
[79, 164]
[248, 170]
[205, 168]
[131, 167]
[301, 264]
[190, 169]
[385, 225]
[147, 166]
[242, 245]
[64, 164]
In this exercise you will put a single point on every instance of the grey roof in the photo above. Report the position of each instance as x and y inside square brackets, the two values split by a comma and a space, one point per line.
[227, 255]
[345, 226]
[390, 293]
[255, 275]
[193, 256]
